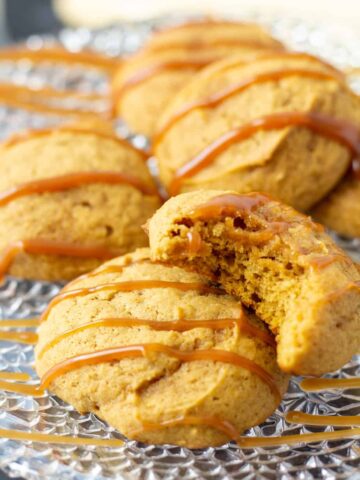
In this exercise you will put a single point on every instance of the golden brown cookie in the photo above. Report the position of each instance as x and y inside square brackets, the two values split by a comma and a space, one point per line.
[172, 358]
[146, 82]
[278, 262]
[340, 210]
[282, 124]
[71, 197]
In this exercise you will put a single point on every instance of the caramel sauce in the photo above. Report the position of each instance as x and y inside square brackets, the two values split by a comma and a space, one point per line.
[290, 55]
[59, 439]
[254, 442]
[335, 420]
[316, 384]
[207, 44]
[27, 322]
[322, 261]
[144, 350]
[176, 325]
[51, 247]
[210, 421]
[218, 98]
[32, 390]
[73, 180]
[14, 376]
[128, 287]
[335, 129]
[30, 93]
[24, 137]
[58, 54]
[29, 338]
[149, 72]
[232, 433]
[195, 244]
[18, 101]
[230, 205]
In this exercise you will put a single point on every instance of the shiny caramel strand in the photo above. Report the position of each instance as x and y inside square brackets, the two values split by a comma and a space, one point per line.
[20, 376]
[287, 55]
[29, 338]
[334, 420]
[176, 325]
[254, 442]
[317, 384]
[23, 389]
[18, 101]
[21, 322]
[232, 433]
[144, 350]
[51, 247]
[31, 134]
[128, 287]
[59, 439]
[149, 72]
[61, 55]
[74, 180]
[216, 423]
[218, 98]
[335, 129]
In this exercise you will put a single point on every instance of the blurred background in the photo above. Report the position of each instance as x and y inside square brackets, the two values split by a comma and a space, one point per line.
[20, 18]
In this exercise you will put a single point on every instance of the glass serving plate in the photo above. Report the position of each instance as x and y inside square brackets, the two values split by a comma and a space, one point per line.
[22, 299]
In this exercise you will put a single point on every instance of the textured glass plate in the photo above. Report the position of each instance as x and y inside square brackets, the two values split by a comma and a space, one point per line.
[21, 299]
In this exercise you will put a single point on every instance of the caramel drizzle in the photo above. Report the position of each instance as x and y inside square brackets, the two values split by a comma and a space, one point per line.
[198, 45]
[334, 420]
[59, 439]
[23, 389]
[15, 376]
[195, 243]
[58, 54]
[24, 137]
[230, 205]
[29, 100]
[29, 338]
[27, 322]
[335, 129]
[51, 247]
[128, 287]
[231, 432]
[218, 98]
[149, 72]
[144, 350]
[73, 180]
[209, 421]
[176, 325]
[316, 384]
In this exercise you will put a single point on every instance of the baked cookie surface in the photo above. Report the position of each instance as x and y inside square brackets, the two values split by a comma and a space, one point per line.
[269, 125]
[156, 397]
[278, 262]
[147, 81]
[340, 210]
[79, 185]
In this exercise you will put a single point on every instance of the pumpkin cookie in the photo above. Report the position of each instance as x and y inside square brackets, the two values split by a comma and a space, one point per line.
[71, 197]
[278, 262]
[340, 210]
[146, 82]
[282, 124]
[151, 332]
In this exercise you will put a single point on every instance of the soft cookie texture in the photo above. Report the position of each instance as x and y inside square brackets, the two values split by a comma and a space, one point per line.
[340, 210]
[292, 163]
[97, 214]
[146, 82]
[134, 392]
[278, 262]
